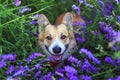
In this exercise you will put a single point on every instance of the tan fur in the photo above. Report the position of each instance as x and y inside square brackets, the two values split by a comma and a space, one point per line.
[63, 26]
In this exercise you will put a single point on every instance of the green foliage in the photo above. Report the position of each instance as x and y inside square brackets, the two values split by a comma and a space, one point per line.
[16, 28]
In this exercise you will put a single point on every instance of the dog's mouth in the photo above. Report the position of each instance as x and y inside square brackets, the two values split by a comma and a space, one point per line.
[57, 57]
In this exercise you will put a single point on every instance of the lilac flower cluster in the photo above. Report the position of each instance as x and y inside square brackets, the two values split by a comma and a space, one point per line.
[10, 70]
[85, 3]
[110, 34]
[85, 77]
[17, 2]
[87, 67]
[80, 24]
[90, 55]
[33, 56]
[117, 78]
[74, 7]
[10, 57]
[115, 62]
[109, 60]
[24, 9]
[107, 8]
[74, 60]
[71, 73]
[65, 72]
[6, 57]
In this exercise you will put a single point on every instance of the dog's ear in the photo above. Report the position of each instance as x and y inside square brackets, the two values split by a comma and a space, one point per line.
[42, 21]
[68, 19]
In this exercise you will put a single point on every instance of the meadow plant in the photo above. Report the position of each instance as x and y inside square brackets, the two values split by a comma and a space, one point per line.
[97, 56]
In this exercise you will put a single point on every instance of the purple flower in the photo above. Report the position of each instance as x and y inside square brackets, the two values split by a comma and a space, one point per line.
[88, 67]
[76, 8]
[24, 9]
[2, 64]
[17, 2]
[80, 1]
[21, 71]
[37, 74]
[111, 79]
[115, 40]
[97, 33]
[101, 3]
[80, 24]
[60, 72]
[10, 70]
[102, 27]
[47, 76]
[37, 66]
[109, 60]
[81, 39]
[85, 77]
[70, 69]
[118, 18]
[89, 5]
[61, 79]
[35, 18]
[10, 57]
[117, 1]
[85, 3]
[110, 34]
[72, 77]
[71, 72]
[74, 61]
[107, 8]
[118, 78]
[117, 61]
[34, 22]
[11, 78]
[34, 55]
[90, 55]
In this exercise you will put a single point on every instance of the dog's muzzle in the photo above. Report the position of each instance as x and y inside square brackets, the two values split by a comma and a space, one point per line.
[57, 56]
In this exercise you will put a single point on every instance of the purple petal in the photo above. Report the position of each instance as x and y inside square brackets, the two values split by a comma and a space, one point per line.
[17, 2]
[74, 61]
[74, 7]
[118, 18]
[10, 57]
[109, 60]
[2, 64]
[34, 55]
[85, 77]
[10, 70]
[90, 55]
[70, 69]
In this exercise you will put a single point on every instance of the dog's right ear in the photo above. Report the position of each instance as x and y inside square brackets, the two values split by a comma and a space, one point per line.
[42, 21]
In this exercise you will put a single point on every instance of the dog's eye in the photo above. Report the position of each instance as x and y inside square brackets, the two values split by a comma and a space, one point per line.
[49, 37]
[63, 37]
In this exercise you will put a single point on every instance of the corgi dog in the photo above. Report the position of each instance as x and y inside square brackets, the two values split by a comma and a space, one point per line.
[57, 40]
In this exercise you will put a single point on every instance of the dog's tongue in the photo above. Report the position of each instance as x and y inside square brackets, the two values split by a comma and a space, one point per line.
[57, 57]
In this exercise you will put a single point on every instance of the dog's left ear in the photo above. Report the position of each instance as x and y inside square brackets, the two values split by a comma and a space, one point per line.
[68, 19]
[42, 21]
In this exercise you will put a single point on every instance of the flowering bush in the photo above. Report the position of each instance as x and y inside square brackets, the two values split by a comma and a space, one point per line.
[98, 51]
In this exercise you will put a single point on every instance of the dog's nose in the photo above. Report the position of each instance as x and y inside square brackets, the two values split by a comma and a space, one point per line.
[56, 49]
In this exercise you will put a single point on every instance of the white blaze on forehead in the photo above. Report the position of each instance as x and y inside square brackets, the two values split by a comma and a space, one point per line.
[57, 42]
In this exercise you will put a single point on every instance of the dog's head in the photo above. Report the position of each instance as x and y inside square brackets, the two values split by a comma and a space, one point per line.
[56, 40]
